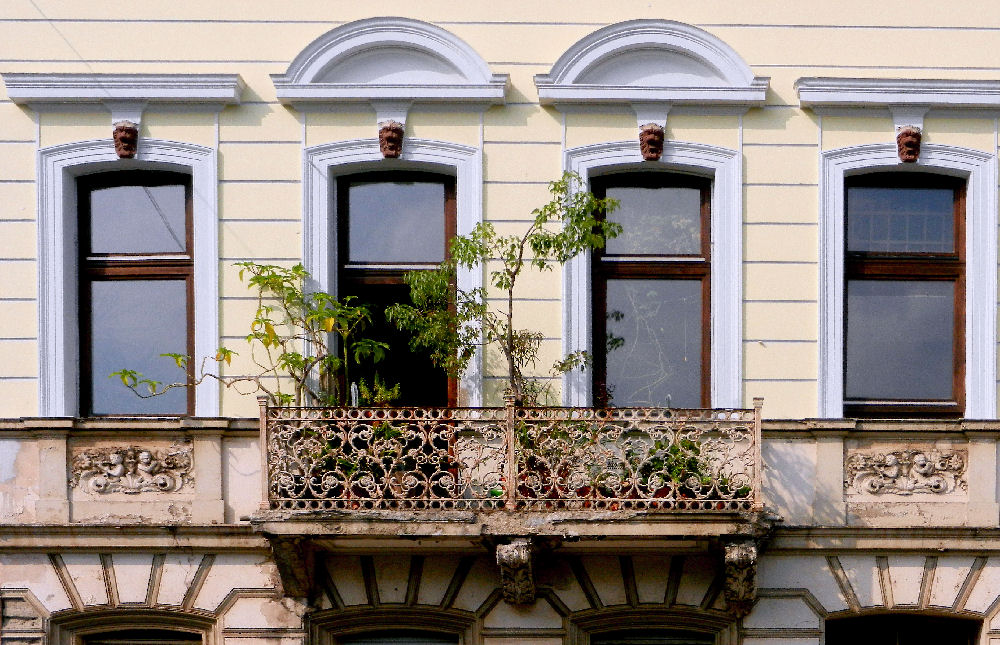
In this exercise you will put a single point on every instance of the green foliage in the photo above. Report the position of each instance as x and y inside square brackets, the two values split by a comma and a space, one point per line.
[451, 323]
[290, 339]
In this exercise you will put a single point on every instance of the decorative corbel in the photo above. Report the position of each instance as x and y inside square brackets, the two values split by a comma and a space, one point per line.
[126, 116]
[517, 577]
[295, 561]
[908, 123]
[740, 562]
[652, 121]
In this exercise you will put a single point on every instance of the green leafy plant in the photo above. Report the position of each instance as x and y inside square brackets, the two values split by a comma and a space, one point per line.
[311, 339]
[451, 323]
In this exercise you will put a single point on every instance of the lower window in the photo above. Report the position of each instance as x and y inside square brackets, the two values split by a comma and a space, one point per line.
[901, 629]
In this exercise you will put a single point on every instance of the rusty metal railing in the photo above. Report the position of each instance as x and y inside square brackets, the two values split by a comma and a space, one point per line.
[513, 458]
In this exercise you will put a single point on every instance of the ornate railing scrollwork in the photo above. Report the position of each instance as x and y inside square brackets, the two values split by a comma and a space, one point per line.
[532, 459]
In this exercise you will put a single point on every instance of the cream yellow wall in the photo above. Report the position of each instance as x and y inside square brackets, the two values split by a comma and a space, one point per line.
[260, 141]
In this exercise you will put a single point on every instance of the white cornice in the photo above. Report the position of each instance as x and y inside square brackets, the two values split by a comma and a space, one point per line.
[719, 77]
[828, 92]
[39, 89]
[317, 75]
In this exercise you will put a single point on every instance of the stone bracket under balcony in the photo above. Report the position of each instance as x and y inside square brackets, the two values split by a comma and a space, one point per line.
[520, 542]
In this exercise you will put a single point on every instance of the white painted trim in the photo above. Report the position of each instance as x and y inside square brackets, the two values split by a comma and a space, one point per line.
[738, 85]
[58, 325]
[41, 88]
[323, 163]
[980, 170]
[299, 85]
[831, 92]
[724, 167]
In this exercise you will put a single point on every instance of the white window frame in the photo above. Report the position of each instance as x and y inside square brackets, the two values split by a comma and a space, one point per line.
[980, 172]
[58, 281]
[323, 164]
[724, 167]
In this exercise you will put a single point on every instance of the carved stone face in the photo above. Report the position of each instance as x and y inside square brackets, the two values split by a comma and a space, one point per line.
[908, 144]
[651, 141]
[390, 139]
[126, 136]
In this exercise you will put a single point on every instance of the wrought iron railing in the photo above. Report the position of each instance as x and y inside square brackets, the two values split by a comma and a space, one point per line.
[514, 458]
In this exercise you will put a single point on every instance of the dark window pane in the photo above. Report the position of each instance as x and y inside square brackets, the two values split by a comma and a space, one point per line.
[396, 222]
[400, 637]
[899, 629]
[132, 323]
[421, 383]
[654, 343]
[656, 221]
[138, 219]
[899, 339]
[652, 637]
[900, 220]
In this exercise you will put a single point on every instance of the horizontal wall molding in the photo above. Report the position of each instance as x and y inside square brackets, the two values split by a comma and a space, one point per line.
[42, 90]
[819, 92]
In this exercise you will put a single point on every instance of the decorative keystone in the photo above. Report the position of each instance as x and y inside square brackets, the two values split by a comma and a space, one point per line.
[390, 139]
[126, 137]
[908, 143]
[651, 141]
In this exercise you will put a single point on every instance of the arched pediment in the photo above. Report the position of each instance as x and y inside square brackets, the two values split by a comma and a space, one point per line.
[395, 59]
[651, 61]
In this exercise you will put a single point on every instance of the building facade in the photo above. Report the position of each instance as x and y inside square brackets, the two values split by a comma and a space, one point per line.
[802, 304]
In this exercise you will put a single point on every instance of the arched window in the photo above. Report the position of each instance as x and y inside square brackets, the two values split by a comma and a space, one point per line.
[902, 629]
[390, 223]
[904, 280]
[652, 292]
[652, 637]
[136, 271]
[398, 637]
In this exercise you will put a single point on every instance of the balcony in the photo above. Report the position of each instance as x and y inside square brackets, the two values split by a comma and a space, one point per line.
[517, 479]
[556, 465]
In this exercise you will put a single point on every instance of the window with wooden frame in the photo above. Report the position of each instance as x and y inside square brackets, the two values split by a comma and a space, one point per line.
[651, 293]
[390, 223]
[136, 288]
[904, 275]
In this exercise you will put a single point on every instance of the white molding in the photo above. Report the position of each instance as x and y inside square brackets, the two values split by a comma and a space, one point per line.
[728, 80]
[40, 90]
[830, 92]
[723, 166]
[472, 81]
[58, 324]
[980, 170]
[322, 164]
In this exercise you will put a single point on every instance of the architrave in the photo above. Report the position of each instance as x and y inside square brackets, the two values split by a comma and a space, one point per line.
[725, 168]
[980, 170]
[58, 325]
[322, 164]
[45, 90]
[819, 92]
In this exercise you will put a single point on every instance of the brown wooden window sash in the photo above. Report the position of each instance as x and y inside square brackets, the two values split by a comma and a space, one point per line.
[108, 267]
[695, 267]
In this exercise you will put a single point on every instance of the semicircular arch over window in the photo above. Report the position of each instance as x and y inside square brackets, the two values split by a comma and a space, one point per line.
[651, 61]
[389, 59]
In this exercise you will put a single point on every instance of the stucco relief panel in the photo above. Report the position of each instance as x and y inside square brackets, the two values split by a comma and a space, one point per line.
[926, 471]
[132, 470]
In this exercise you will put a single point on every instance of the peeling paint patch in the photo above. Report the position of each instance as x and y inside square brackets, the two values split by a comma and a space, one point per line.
[8, 455]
